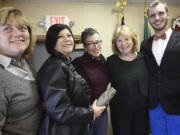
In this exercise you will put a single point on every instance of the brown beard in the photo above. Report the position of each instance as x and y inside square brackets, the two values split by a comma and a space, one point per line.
[160, 29]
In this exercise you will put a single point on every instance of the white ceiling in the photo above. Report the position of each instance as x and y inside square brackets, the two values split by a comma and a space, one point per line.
[169, 2]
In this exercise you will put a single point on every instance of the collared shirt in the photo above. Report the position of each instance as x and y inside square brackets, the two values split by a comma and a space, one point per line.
[11, 65]
[159, 46]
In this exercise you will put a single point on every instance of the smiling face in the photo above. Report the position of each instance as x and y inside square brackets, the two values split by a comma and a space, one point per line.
[124, 45]
[158, 18]
[93, 46]
[65, 43]
[14, 39]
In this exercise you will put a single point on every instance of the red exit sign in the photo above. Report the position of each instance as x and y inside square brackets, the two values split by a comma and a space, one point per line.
[50, 20]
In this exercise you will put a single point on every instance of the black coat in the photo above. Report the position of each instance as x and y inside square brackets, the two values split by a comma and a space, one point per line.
[164, 79]
[66, 96]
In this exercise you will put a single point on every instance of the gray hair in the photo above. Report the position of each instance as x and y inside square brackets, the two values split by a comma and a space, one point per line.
[87, 33]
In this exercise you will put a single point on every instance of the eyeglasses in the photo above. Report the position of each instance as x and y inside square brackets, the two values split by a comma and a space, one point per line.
[99, 42]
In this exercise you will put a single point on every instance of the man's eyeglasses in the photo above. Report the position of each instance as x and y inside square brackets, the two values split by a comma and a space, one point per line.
[99, 42]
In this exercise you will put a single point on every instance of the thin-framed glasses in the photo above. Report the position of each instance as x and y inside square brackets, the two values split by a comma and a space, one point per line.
[99, 42]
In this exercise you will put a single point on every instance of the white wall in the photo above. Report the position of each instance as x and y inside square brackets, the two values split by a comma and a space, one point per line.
[96, 15]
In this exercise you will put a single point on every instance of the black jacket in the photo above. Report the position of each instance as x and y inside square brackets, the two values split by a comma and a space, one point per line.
[164, 79]
[66, 96]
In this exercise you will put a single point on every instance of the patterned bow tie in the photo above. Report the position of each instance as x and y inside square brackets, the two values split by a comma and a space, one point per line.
[156, 37]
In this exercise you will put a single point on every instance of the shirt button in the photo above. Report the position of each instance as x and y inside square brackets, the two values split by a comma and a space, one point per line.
[159, 84]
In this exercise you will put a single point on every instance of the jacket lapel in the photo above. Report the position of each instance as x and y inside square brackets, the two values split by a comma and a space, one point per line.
[150, 51]
[171, 43]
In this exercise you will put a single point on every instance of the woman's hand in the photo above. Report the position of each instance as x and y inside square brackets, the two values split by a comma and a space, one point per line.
[97, 110]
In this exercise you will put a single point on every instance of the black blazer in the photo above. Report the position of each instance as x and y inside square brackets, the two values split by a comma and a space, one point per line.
[164, 79]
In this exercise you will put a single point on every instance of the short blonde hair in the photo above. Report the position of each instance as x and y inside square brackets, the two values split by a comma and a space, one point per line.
[8, 14]
[126, 31]
[155, 3]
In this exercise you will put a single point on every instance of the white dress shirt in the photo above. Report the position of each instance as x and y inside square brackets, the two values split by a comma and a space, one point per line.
[159, 46]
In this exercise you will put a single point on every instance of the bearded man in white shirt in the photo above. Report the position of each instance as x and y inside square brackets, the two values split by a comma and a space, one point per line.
[162, 53]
